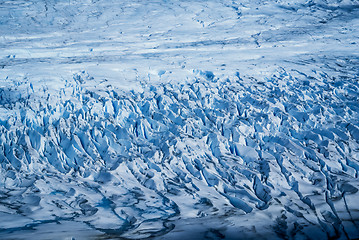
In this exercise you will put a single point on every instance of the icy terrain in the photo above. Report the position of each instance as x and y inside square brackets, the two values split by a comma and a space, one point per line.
[179, 119]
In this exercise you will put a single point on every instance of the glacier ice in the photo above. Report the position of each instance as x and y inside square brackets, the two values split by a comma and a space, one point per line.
[216, 119]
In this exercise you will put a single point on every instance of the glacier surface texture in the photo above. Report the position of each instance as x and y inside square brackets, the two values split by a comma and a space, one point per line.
[179, 119]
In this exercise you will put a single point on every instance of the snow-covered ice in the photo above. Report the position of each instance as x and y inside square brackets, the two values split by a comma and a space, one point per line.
[179, 119]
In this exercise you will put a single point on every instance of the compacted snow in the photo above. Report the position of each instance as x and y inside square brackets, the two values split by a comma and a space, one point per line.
[179, 119]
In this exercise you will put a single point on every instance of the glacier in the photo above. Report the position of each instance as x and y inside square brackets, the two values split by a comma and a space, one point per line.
[179, 119]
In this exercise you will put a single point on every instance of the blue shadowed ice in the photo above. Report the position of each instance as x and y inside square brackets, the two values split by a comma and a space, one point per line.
[179, 119]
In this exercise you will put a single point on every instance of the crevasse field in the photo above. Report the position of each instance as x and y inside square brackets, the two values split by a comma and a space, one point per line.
[179, 119]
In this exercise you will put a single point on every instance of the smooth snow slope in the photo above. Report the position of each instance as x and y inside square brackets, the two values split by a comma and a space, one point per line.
[179, 119]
